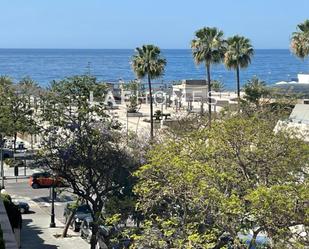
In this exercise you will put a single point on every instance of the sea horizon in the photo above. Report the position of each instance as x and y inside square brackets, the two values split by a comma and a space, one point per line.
[112, 65]
[121, 49]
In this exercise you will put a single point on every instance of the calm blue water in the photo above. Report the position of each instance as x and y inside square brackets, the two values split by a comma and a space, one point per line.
[44, 65]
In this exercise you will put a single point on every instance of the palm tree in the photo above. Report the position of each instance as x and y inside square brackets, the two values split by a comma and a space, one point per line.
[238, 55]
[147, 62]
[300, 40]
[217, 85]
[208, 47]
[255, 89]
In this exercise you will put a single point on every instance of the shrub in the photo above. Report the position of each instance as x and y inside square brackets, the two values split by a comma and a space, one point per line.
[2, 245]
[12, 211]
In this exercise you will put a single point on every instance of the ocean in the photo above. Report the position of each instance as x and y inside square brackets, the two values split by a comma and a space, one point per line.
[111, 65]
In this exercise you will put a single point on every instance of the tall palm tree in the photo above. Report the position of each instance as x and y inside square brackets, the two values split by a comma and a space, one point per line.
[300, 40]
[148, 62]
[208, 47]
[238, 55]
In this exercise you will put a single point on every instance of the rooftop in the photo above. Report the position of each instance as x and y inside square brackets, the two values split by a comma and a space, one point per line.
[300, 114]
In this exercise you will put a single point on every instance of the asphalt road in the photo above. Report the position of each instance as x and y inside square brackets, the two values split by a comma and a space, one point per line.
[22, 191]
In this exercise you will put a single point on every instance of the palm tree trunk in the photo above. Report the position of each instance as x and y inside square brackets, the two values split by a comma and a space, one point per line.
[151, 108]
[238, 82]
[209, 93]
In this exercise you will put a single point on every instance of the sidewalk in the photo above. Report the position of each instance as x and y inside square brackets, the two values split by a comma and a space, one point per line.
[36, 233]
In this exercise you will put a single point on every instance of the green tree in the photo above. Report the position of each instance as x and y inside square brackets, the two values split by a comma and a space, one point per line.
[254, 90]
[84, 146]
[135, 89]
[207, 189]
[15, 112]
[238, 55]
[31, 92]
[300, 40]
[217, 86]
[5, 90]
[208, 47]
[149, 63]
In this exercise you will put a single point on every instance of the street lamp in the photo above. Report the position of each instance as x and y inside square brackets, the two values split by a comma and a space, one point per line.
[52, 215]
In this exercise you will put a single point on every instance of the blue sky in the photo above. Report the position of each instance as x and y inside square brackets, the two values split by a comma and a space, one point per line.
[130, 23]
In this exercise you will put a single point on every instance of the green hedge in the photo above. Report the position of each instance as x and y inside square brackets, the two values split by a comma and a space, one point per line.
[2, 245]
[12, 211]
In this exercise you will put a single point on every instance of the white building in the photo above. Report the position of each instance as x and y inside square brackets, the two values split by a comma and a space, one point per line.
[301, 79]
[298, 121]
[190, 90]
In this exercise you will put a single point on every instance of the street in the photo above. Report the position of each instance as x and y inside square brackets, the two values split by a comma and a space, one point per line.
[22, 191]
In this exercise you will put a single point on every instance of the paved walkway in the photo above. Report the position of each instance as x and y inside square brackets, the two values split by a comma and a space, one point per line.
[36, 233]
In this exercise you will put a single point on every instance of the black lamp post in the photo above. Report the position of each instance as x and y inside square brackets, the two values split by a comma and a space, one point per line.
[52, 215]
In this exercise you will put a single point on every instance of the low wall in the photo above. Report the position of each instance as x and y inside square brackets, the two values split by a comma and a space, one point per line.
[8, 235]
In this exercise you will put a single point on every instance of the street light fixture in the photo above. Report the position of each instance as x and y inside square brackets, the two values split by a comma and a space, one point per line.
[52, 215]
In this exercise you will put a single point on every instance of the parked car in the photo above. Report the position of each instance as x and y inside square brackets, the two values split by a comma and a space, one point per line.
[86, 229]
[105, 233]
[7, 153]
[102, 235]
[44, 180]
[22, 205]
[82, 212]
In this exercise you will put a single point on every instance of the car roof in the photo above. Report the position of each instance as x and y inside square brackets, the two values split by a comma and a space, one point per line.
[88, 219]
[41, 173]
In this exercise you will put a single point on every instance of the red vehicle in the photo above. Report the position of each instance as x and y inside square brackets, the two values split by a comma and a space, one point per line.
[44, 180]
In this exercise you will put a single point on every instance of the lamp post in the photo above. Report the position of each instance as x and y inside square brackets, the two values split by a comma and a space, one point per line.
[52, 215]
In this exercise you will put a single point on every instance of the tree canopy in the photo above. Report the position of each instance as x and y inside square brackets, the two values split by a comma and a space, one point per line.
[84, 146]
[300, 40]
[214, 188]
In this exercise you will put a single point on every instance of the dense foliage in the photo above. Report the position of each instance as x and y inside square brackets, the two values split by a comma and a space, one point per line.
[16, 107]
[12, 210]
[212, 188]
[84, 147]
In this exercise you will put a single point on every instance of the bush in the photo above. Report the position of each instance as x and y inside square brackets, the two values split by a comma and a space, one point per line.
[12, 211]
[2, 245]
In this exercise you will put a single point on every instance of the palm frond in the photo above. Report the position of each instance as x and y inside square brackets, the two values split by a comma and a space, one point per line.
[148, 61]
[208, 46]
